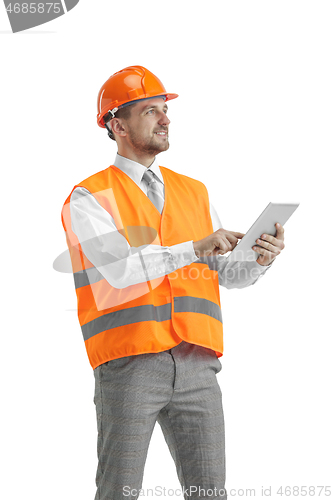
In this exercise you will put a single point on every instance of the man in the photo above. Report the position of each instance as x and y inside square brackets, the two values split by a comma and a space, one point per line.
[146, 245]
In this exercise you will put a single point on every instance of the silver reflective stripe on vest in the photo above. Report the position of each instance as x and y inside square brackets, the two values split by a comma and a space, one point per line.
[87, 277]
[92, 275]
[196, 305]
[126, 317]
[150, 313]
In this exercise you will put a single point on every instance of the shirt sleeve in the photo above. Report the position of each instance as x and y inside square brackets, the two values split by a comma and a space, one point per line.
[108, 250]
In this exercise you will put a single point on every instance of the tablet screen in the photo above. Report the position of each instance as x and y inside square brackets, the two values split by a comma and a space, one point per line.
[273, 213]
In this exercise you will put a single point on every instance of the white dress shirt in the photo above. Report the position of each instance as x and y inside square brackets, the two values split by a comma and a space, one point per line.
[122, 265]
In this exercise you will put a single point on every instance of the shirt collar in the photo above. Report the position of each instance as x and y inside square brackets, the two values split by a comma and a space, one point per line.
[135, 170]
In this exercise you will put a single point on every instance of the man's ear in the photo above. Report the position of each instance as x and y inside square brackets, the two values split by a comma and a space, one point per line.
[117, 127]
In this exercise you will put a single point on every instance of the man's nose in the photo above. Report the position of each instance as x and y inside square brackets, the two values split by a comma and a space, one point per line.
[164, 120]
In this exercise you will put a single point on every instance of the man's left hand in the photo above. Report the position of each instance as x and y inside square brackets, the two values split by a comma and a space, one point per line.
[269, 246]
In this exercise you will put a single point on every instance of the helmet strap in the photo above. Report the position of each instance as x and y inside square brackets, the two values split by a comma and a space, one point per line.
[110, 134]
[111, 114]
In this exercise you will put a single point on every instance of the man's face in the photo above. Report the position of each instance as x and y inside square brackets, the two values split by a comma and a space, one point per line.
[148, 126]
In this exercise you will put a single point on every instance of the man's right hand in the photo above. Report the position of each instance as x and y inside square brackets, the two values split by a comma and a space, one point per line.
[218, 243]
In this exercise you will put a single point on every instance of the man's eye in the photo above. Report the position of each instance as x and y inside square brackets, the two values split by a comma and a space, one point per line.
[150, 111]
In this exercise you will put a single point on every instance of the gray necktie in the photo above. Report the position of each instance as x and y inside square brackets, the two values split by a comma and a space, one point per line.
[153, 193]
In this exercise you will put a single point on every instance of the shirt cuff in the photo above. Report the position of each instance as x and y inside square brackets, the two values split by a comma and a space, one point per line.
[263, 268]
[257, 270]
[183, 254]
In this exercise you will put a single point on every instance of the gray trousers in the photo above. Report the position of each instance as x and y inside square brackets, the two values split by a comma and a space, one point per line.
[177, 388]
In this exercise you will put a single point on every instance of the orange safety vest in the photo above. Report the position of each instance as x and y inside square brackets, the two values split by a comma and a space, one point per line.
[154, 315]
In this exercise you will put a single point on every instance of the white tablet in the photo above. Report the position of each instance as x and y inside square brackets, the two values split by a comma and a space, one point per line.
[273, 213]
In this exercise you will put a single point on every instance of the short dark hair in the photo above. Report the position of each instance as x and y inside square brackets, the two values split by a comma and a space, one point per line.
[124, 113]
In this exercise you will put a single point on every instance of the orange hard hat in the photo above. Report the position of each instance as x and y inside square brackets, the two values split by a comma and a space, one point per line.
[128, 85]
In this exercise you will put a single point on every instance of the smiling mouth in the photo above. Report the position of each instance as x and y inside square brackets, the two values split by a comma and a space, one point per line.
[162, 133]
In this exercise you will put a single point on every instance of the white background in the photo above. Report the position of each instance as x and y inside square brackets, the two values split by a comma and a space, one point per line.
[253, 121]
